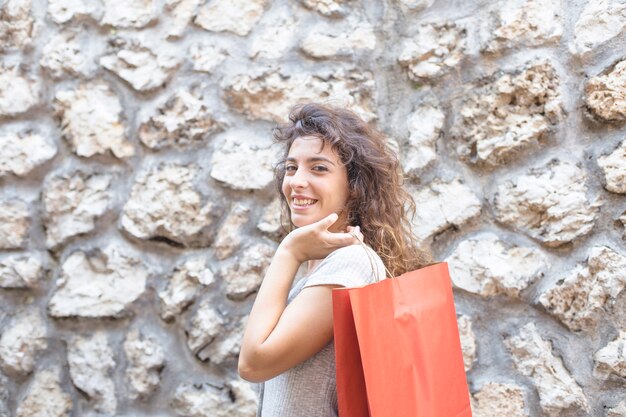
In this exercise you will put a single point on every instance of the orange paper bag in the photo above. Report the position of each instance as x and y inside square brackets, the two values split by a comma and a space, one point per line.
[397, 348]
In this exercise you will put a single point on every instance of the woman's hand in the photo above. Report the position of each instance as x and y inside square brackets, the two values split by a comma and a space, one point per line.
[315, 241]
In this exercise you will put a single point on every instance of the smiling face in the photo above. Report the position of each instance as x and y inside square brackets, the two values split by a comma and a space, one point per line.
[315, 183]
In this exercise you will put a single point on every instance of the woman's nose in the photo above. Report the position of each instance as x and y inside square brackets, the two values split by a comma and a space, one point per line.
[298, 179]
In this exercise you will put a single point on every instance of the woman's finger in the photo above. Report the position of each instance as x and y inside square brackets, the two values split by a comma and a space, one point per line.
[329, 220]
[340, 239]
[356, 232]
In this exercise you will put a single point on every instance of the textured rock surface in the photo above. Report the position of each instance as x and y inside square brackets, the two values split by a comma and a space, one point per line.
[533, 357]
[146, 359]
[128, 13]
[236, 16]
[604, 94]
[525, 22]
[18, 92]
[21, 343]
[98, 283]
[23, 152]
[229, 235]
[14, 223]
[611, 359]
[62, 11]
[91, 362]
[614, 167]
[274, 39]
[234, 399]
[498, 399]
[204, 327]
[617, 411]
[164, 205]
[415, 5]
[46, 397]
[550, 203]
[484, 265]
[225, 348]
[182, 11]
[424, 125]
[328, 8]
[244, 275]
[324, 43]
[444, 205]
[4, 396]
[21, 271]
[468, 341]
[242, 165]
[183, 120]
[17, 24]
[63, 54]
[599, 22]
[269, 222]
[433, 50]
[271, 94]
[91, 121]
[512, 113]
[580, 299]
[183, 287]
[205, 57]
[138, 65]
[72, 203]
[170, 104]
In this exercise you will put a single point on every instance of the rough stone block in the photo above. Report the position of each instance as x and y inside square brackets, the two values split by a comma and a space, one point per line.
[484, 265]
[165, 205]
[183, 120]
[614, 168]
[146, 359]
[91, 121]
[23, 152]
[580, 299]
[271, 94]
[507, 115]
[599, 22]
[433, 50]
[533, 357]
[141, 67]
[14, 223]
[46, 397]
[605, 94]
[98, 283]
[236, 16]
[91, 362]
[72, 203]
[549, 203]
[443, 205]
[21, 343]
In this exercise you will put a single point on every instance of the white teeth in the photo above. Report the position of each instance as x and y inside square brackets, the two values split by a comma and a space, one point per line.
[303, 202]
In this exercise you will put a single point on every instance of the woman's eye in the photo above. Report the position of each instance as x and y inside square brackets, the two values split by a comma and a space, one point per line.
[320, 168]
[290, 168]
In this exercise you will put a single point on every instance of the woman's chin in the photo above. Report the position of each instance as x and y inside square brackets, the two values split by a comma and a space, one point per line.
[299, 220]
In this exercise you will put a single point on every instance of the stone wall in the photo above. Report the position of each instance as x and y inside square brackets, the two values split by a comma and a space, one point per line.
[137, 211]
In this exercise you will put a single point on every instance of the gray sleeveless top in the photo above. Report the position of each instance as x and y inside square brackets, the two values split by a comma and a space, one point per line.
[309, 388]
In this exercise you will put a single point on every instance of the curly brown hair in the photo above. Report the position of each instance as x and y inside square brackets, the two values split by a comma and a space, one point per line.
[378, 203]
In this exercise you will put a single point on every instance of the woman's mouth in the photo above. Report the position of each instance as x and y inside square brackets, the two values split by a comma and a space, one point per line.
[302, 203]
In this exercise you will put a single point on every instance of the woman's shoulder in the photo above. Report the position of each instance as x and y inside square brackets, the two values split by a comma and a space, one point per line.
[354, 261]
[352, 253]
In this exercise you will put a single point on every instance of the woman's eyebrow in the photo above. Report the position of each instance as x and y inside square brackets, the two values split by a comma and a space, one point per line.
[313, 159]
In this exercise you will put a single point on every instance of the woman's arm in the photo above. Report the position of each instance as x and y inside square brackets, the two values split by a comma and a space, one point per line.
[279, 336]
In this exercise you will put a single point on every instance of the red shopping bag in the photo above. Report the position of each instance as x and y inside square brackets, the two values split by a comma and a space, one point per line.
[397, 348]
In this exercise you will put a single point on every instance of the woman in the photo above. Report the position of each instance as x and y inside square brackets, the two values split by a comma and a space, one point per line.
[349, 217]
